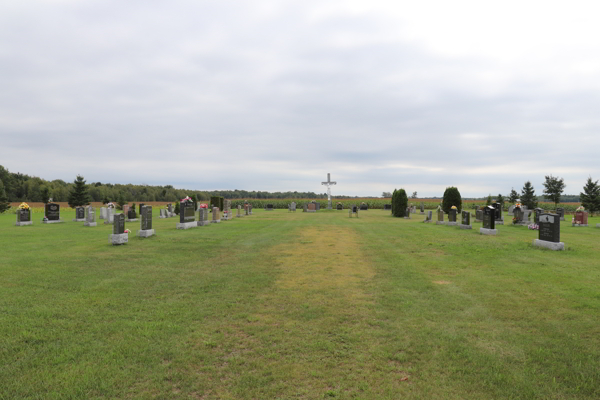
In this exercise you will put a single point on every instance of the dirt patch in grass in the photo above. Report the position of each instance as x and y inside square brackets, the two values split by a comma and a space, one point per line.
[442, 282]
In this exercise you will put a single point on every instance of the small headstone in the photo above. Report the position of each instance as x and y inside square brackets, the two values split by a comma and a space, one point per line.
[317, 206]
[561, 212]
[536, 217]
[305, 208]
[126, 209]
[465, 221]
[215, 215]
[187, 215]
[364, 206]
[407, 213]
[131, 215]
[110, 214]
[140, 208]
[479, 215]
[312, 207]
[489, 221]
[79, 214]
[452, 216]
[580, 219]
[239, 211]
[102, 213]
[247, 208]
[269, 207]
[549, 236]
[146, 223]
[499, 218]
[339, 206]
[90, 218]
[203, 217]
[511, 210]
[440, 218]
[24, 217]
[353, 211]
[250, 208]
[518, 216]
[422, 207]
[429, 217]
[118, 236]
[52, 213]
[387, 207]
[292, 207]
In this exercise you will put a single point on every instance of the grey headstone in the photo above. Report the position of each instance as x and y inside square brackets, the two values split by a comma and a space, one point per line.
[119, 224]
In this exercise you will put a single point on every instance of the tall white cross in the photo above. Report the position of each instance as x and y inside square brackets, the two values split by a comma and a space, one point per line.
[328, 184]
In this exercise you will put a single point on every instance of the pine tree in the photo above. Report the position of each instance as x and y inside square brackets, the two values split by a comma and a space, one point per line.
[399, 203]
[488, 201]
[121, 201]
[393, 200]
[4, 204]
[590, 198]
[528, 197]
[79, 195]
[513, 196]
[500, 199]
[45, 194]
[553, 188]
[451, 198]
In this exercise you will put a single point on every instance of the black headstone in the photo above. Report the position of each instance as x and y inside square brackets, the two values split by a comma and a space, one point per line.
[452, 215]
[489, 217]
[549, 227]
[466, 218]
[131, 214]
[269, 206]
[53, 212]
[354, 209]
[560, 211]
[146, 214]
[79, 213]
[141, 205]
[422, 206]
[387, 206]
[24, 215]
[118, 224]
[518, 214]
[187, 212]
[479, 215]
[498, 208]
[364, 207]
[339, 207]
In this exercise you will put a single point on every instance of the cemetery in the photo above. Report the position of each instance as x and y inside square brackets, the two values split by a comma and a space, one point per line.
[457, 290]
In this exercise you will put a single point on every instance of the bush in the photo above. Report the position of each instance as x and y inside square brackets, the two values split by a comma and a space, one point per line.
[399, 203]
[451, 198]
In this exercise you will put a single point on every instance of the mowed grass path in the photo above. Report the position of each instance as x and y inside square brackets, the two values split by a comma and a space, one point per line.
[298, 305]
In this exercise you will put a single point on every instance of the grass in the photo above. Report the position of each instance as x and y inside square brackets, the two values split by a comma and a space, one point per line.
[298, 305]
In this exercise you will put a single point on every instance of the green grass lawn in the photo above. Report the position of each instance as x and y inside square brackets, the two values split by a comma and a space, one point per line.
[282, 305]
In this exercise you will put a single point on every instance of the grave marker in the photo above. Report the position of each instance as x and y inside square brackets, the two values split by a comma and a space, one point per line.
[146, 222]
[549, 233]
[52, 213]
[90, 219]
[489, 221]
[465, 222]
[118, 236]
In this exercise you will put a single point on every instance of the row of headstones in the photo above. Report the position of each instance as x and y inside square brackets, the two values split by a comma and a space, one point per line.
[119, 236]
[187, 214]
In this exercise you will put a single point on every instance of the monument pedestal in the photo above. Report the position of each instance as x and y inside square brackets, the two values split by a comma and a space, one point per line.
[132, 220]
[203, 223]
[451, 223]
[579, 224]
[187, 225]
[485, 231]
[440, 222]
[499, 222]
[145, 232]
[406, 217]
[549, 245]
[121, 238]
[90, 224]
[79, 220]
[54, 222]
[461, 226]
[24, 223]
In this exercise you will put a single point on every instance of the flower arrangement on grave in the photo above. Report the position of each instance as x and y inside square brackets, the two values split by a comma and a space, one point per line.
[110, 205]
[534, 227]
[518, 205]
[580, 209]
[127, 231]
[453, 208]
[45, 218]
[186, 199]
[515, 221]
[203, 205]
[23, 206]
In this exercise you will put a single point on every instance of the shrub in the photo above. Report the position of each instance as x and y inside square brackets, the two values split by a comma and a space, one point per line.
[451, 198]
[399, 203]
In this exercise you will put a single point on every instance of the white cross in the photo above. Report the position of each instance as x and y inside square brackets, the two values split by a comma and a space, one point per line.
[328, 184]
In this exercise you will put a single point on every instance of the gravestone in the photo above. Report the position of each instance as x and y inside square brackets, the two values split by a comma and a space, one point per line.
[440, 218]
[305, 209]
[561, 212]
[146, 223]
[215, 215]
[161, 213]
[269, 207]
[102, 213]
[239, 211]
[247, 208]
[353, 211]
[126, 209]
[203, 217]
[340, 206]
[250, 208]
[364, 207]
[312, 207]
[110, 214]
[421, 206]
[407, 213]
[580, 219]
[52, 213]
[518, 216]
[387, 207]
[429, 216]
[549, 233]
[227, 211]
[317, 206]
[118, 236]
[140, 209]
[24, 217]
[170, 210]
[465, 221]
[90, 218]
[489, 221]
[187, 215]
[131, 215]
[413, 209]
[79, 214]
[511, 210]
[292, 206]
[452, 217]
[499, 217]
[536, 217]
[479, 215]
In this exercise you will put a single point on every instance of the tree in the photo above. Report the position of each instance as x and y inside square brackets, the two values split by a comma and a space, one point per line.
[488, 201]
[528, 197]
[414, 195]
[451, 198]
[176, 210]
[399, 203]
[4, 204]
[553, 188]
[121, 200]
[79, 195]
[500, 199]
[393, 198]
[590, 198]
[386, 195]
[45, 194]
[513, 196]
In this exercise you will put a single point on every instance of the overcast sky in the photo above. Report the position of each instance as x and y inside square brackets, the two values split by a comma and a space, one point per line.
[273, 95]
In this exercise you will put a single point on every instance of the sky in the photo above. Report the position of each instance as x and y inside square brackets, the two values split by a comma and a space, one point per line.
[273, 95]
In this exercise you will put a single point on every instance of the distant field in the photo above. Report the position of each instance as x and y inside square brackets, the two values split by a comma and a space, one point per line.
[283, 305]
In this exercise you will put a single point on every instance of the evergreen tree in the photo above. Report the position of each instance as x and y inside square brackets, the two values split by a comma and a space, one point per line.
[79, 195]
[176, 210]
[500, 199]
[451, 198]
[553, 188]
[121, 201]
[528, 197]
[105, 200]
[393, 200]
[488, 201]
[590, 198]
[399, 203]
[45, 194]
[4, 204]
[513, 196]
